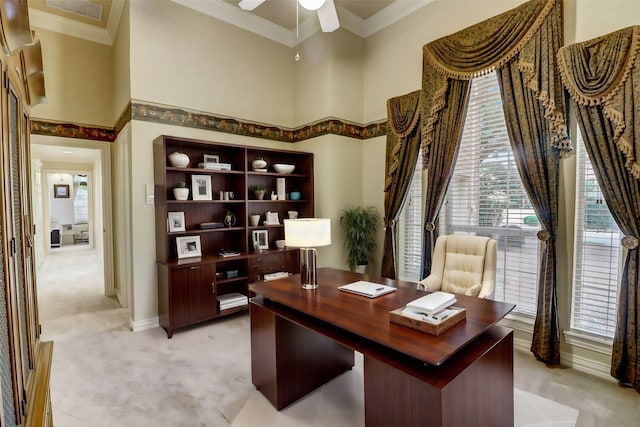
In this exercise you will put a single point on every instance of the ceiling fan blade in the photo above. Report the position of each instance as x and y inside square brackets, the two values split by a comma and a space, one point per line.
[328, 17]
[250, 4]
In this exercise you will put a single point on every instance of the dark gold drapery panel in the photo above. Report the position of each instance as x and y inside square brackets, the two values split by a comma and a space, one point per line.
[403, 146]
[440, 161]
[603, 78]
[523, 41]
[538, 166]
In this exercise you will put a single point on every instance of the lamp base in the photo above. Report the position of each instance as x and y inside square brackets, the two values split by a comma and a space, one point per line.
[308, 268]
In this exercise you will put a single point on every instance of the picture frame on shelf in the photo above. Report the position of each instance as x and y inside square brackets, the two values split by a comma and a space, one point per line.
[188, 246]
[61, 191]
[260, 239]
[201, 187]
[211, 158]
[176, 221]
[272, 218]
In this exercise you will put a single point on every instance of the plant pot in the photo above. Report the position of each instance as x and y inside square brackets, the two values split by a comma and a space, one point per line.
[259, 195]
[360, 268]
[255, 220]
[181, 193]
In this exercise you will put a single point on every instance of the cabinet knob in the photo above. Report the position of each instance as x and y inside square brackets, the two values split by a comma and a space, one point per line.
[195, 267]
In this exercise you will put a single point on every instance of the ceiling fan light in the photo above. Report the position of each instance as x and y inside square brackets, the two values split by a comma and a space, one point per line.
[311, 4]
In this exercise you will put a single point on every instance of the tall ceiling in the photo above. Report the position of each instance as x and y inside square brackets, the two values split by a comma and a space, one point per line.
[98, 20]
[273, 19]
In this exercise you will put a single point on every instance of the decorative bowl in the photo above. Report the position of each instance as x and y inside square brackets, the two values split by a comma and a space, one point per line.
[280, 244]
[283, 168]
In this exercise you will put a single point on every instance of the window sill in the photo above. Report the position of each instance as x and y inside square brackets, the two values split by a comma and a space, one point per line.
[519, 322]
[589, 342]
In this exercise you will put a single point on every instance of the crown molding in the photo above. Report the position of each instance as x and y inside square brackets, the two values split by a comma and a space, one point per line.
[233, 15]
[390, 15]
[59, 24]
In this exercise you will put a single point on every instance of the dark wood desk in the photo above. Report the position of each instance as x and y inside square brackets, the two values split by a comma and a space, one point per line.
[301, 339]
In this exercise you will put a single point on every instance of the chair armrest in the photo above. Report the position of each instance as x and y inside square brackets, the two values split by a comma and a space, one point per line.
[430, 283]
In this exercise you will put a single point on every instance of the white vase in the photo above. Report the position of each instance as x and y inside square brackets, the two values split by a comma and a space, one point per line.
[181, 193]
[259, 164]
[255, 219]
[178, 160]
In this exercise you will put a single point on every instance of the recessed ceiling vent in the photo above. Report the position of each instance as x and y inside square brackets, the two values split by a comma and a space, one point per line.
[84, 8]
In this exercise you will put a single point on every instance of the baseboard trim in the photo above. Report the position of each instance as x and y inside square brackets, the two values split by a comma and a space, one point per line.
[588, 366]
[145, 324]
[579, 363]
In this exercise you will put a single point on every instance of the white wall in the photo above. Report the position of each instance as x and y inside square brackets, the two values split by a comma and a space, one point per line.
[121, 64]
[183, 58]
[78, 80]
[60, 208]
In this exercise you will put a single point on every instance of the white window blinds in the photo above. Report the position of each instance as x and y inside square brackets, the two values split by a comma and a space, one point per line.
[486, 197]
[597, 258]
[409, 244]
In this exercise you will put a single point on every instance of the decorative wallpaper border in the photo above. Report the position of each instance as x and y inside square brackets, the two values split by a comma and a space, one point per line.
[71, 130]
[187, 118]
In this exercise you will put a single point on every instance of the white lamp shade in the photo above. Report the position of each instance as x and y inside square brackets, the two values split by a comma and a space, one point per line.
[307, 232]
[311, 4]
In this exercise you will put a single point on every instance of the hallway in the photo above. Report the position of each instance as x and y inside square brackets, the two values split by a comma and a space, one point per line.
[105, 375]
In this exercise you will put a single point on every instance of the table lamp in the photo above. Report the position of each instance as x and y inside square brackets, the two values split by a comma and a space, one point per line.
[307, 234]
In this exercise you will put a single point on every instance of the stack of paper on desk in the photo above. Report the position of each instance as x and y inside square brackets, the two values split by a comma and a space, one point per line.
[432, 303]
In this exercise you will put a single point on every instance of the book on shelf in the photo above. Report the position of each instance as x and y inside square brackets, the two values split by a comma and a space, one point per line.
[280, 186]
[209, 225]
[228, 252]
[215, 166]
[231, 300]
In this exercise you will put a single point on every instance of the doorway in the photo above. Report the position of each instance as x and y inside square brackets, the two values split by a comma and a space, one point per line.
[71, 199]
[70, 210]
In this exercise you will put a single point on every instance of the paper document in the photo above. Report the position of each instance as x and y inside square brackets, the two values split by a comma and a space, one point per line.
[432, 303]
[368, 289]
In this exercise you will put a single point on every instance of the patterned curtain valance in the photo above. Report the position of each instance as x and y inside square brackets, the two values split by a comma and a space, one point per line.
[403, 116]
[404, 113]
[605, 72]
[529, 34]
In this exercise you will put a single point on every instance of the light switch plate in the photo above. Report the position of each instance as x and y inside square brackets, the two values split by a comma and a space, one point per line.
[149, 194]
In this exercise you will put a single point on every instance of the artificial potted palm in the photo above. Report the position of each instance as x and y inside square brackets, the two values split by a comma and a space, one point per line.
[360, 225]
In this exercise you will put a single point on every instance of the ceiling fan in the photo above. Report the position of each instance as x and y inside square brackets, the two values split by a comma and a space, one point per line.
[327, 14]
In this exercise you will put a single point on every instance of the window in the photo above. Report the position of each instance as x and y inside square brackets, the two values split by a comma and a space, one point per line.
[409, 245]
[485, 197]
[80, 200]
[597, 257]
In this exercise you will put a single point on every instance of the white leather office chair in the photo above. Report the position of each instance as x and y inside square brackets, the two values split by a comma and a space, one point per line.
[463, 264]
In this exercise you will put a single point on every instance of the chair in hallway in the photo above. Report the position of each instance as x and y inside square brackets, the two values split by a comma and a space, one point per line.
[463, 264]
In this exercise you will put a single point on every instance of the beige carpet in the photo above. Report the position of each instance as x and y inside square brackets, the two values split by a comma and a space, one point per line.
[105, 375]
